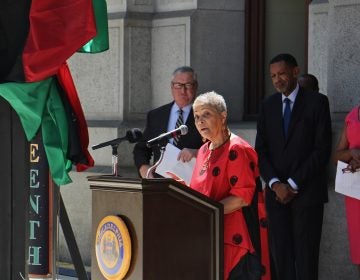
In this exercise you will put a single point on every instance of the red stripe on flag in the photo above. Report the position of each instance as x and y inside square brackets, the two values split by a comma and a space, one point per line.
[57, 30]
[67, 83]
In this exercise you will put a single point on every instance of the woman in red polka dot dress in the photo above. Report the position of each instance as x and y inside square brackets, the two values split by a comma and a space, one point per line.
[225, 170]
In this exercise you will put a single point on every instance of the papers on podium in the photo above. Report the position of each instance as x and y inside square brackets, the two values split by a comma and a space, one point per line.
[347, 183]
[170, 163]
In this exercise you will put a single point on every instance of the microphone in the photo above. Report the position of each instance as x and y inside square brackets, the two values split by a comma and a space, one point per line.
[162, 138]
[133, 135]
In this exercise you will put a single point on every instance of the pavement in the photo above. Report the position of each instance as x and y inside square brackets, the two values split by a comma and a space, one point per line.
[66, 271]
[63, 277]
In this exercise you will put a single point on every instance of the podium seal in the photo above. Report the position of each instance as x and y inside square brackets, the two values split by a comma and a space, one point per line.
[113, 248]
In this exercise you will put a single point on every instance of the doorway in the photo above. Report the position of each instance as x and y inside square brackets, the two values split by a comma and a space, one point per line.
[272, 27]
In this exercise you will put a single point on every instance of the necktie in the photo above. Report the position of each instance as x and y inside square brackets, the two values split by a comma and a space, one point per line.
[287, 115]
[180, 121]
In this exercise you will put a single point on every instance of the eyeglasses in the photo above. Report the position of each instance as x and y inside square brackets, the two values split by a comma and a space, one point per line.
[181, 85]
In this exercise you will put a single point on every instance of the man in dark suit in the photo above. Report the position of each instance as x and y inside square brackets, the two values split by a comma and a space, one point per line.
[183, 88]
[293, 142]
[309, 82]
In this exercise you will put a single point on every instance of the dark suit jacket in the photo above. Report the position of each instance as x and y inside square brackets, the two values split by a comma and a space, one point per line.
[157, 122]
[304, 154]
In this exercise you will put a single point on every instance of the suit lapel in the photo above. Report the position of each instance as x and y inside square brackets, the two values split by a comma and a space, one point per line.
[165, 122]
[190, 120]
[296, 112]
[278, 117]
[190, 123]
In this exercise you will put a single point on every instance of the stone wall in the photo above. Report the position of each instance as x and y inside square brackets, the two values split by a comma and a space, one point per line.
[149, 38]
[334, 57]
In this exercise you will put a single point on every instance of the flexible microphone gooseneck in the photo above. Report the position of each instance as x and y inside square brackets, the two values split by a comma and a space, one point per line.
[133, 135]
[164, 137]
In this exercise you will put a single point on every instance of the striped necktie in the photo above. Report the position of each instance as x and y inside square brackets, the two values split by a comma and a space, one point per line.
[180, 121]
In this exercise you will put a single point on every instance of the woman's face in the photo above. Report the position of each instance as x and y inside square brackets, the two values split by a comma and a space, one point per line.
[209, 122]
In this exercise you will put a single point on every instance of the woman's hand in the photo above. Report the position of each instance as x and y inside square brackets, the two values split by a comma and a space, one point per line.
[232, 203]
[354, 163]
[355, 154]
[176, 178]
[187, 154]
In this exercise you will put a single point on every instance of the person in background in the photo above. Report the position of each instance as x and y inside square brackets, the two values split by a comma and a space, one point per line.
[226, 170]
[348, 150]
[293, 142]
[309, 82]
[168, 117]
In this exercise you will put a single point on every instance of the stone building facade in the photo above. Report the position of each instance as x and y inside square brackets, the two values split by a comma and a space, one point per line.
[150, 38]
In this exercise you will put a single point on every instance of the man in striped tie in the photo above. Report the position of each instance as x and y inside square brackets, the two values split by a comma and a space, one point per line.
[168, 117]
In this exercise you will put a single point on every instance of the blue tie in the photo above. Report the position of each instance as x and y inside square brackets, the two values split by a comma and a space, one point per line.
[287, 115]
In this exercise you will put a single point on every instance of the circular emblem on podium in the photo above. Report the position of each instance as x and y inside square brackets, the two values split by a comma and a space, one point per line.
[113, 248]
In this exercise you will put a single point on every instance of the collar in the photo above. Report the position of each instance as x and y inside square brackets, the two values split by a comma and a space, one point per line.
[292, 95]
[186, 110]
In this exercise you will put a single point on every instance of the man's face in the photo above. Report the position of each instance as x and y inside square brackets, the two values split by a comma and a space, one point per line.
[183, 89]
[284, 77]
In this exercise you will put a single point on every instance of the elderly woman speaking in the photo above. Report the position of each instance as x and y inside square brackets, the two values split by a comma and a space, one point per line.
[225, 170]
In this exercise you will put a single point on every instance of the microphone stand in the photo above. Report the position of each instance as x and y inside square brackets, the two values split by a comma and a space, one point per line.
[114, 159]
[114, 155]
[152, 168]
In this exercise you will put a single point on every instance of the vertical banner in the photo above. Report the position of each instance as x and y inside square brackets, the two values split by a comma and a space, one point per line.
[39, 256]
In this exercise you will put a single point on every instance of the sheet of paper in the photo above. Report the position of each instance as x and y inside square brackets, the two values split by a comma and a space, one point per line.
[347, 183]
[170, 163]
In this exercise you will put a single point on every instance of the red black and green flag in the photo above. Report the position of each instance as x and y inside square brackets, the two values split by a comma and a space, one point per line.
[36, 39]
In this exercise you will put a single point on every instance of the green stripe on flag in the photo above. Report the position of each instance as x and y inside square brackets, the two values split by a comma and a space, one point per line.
[38, 105]
[100, 42]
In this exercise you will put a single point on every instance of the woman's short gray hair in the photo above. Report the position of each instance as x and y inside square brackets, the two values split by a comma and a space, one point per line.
[211, 99]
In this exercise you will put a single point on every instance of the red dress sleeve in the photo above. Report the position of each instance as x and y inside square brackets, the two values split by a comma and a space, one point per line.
[242, 169]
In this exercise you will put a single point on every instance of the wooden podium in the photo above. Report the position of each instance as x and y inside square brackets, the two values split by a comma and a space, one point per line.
[175, 232]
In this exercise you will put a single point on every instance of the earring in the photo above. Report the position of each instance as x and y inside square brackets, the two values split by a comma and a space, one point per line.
[226, 132]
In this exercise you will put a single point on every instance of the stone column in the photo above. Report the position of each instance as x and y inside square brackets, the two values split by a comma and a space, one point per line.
[318, 42]
[334, 56]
